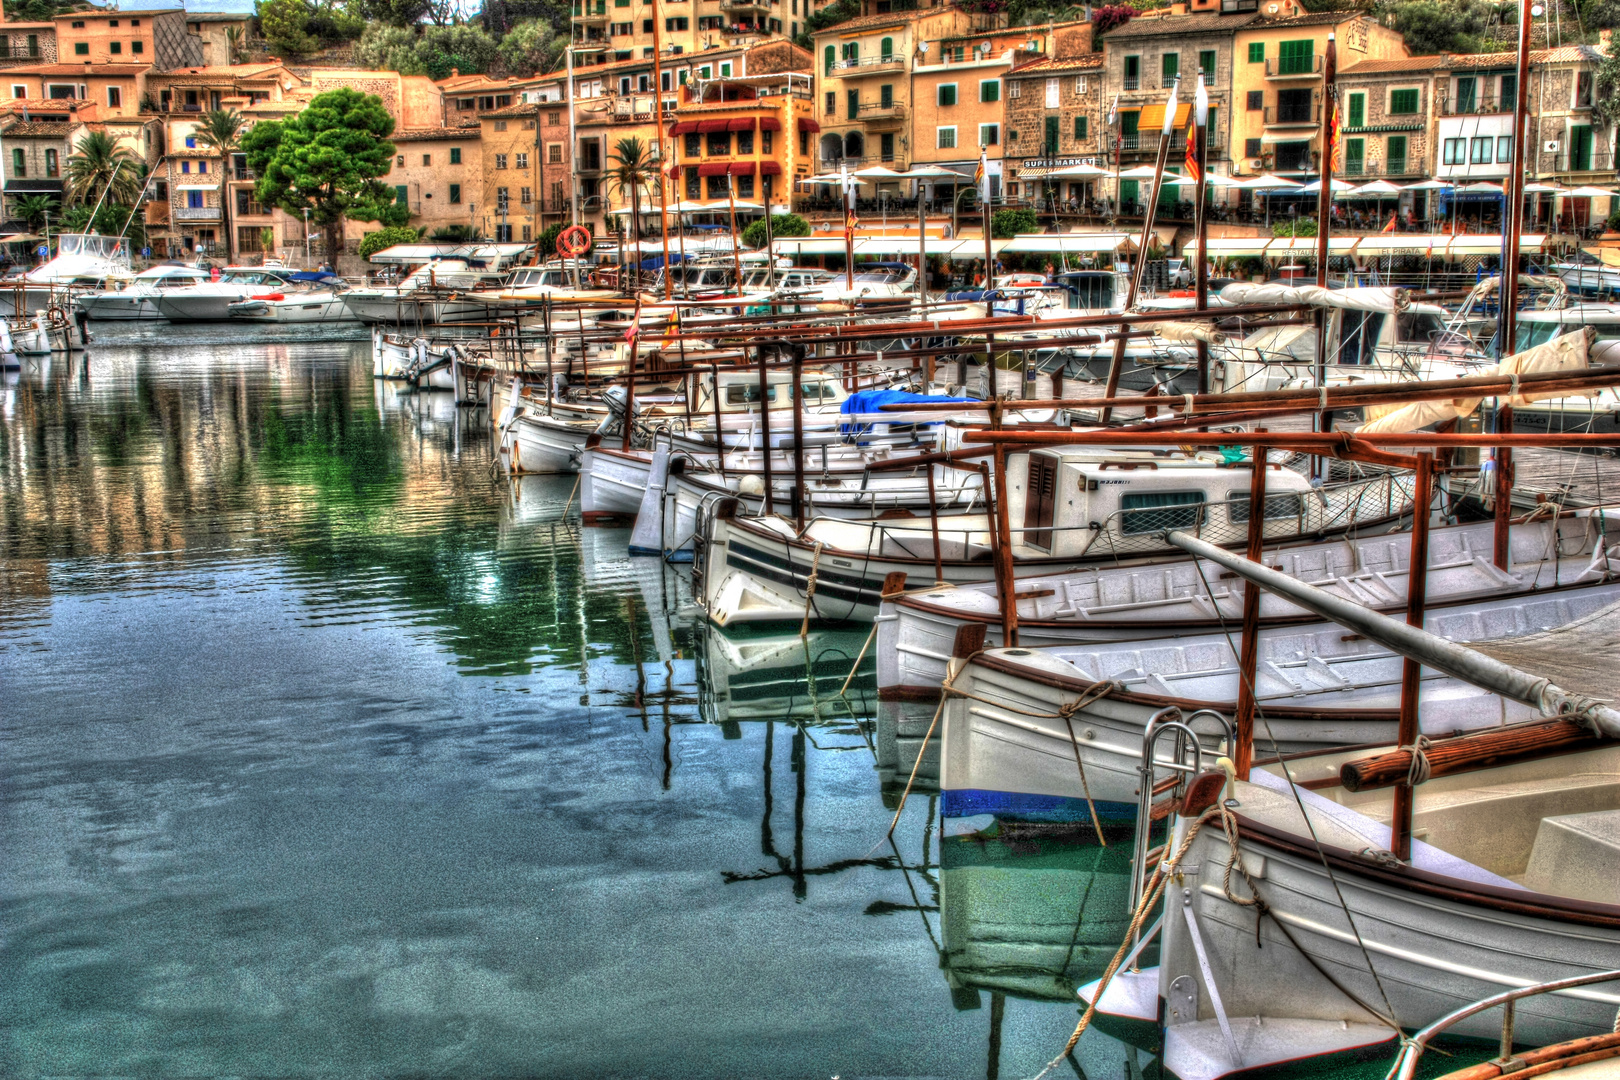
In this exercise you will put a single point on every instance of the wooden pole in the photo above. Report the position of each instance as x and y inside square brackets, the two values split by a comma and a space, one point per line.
[1507, 336]
[1411, 671]
[1249, 649]
[1201, 223]
[798, 439]
[1324, 221]
[765, 434]
[1004, 557]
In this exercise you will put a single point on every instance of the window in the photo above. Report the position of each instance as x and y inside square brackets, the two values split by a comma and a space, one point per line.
[137, 47]
[1251, 148]
[194, 199]
[503, 234]
[1452, 151]
[185, 167]
[19, 164]
[455, 155]
[501, 199]
[1467, 96]
[112, 23]
[852, 101]
[134, 22]
[1080, 133]
[78, 24]
[500, 125]
[885, 150]
[554, 153]
[81, 48]
[524, 197]
[33, 45]
[115, 97]
[947, 94]
[1206, 64]
[1507, 93]
[719, 143]
[1504, 149]
[745, 142]
[1296, 57]
[990, 90]
[427, 159]
[1079, 84]
[1133, 73]
[829, 58]
[1358, 110]
[1583, 90]
[1155, 511]
[945, 138]
[1256, 100]
[500, 161]
[19, 91]
[115, 47]
[832, 102]
[1355, 156]
[202, 166]
[886, 95]
[523, 161]
[676, 23]
[694, 144]
[1257, 52]
[1403, 102]
[528, 233]
[455, 193]
[1296, 106]
[1169, 67]
[1480, 151]
[1395, 155]
[51, 167]
[886, 48]
[989, 134]
[400, 194]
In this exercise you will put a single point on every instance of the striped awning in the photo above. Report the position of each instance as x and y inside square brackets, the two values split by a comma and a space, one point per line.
[1152, 118]
[740, 123]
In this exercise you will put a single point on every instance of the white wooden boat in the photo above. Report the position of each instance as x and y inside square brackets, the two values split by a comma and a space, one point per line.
[530, 440]
[1180, 597]
[1007, 749]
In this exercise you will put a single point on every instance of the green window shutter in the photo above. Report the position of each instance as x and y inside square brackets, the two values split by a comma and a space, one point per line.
[1358, 110]
[1355, 156]
[947, 94]
[455, 193]
[1170, 66]
[1129, 191]
[886, 95]
[887, 48]
[1051, 136]
[455, 155]
[1206, 64]
[1507, 93]
[853, 98]
[1257, 52]
[1395, 156]
[399, 193]
[990, 90]
[829, 58]
[1080, 128]
[1128, 122]
[1403, 102]
[1296, 57]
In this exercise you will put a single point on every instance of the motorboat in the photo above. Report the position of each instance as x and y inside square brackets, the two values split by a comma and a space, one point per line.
[441, 291]
[137, 298]
[211, 301]
[874, 284]
[306, 296]
[1588, 275]
[84, 262]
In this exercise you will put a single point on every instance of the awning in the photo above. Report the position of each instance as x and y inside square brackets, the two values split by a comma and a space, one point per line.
[1434, 245]
[1152, 118]
[807, 124]
[770, 168]
[681, 127]
[1071, 243]
[712, 125]
[196, 187]
[713, 168]
[1272, 138]
[769, 123]
[54, 187]
[742, 168]
[740, 123]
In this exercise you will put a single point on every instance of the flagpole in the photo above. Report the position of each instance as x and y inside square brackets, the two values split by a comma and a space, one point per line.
[849, 231]
[1149, 212]
[1324, 219]
[1201, 219]
[989, 255]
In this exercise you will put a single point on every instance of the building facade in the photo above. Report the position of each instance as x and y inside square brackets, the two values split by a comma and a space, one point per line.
[1055, 119]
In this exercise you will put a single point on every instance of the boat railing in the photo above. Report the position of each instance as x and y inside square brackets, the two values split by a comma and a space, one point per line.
[1149, 787]
[1412, 1049]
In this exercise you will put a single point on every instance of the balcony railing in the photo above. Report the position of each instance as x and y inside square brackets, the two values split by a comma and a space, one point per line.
[242, 173]
[867, 63]
[745, 5]
[892, 110]
[1472, 106]
[1131, 141]
[1294, 67]
[1293, 116]
[1133, 82]
[196, 213]
[1393, 167]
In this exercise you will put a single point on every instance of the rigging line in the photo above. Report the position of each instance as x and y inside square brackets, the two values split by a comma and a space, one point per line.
[1293, 789]
[916, 901]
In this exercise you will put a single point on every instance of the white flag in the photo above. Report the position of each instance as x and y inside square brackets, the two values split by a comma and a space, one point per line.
[1202, 99]
[1170, 110]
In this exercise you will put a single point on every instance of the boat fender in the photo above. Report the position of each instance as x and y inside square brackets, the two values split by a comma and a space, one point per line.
[751, 485]
[271, 296]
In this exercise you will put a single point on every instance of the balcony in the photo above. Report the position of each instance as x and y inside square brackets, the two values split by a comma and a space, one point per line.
[1472, 106]
[746, 7]
[241, 173]
[1234, 7]
[196, 213]
[1131, 141]
[881, 112]
[1294, 67]
[848, 69]
[590, 14]
[1280, 117]
[1132, 82]
[1394, 168]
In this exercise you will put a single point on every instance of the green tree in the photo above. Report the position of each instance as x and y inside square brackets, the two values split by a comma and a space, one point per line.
[221, 131]
[634, 173]
[433, 51]
[376, 240]
[113, 219]
[35, 209]
[1606, 102]
[1436, 26]
[831, 15]
[235, 44]
[781, 225]
[285, 25]
[547, 241]
[406, 13]
[454, 234]
[1005, 224]
[531, 48]
[100, 165]
[328, 160]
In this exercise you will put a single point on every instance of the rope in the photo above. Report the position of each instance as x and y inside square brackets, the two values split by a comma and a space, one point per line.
[872, 636]
[1418, 771]
[1096, 825]
[810, 589]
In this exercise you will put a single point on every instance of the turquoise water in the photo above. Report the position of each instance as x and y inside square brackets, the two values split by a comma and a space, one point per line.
[324, 751]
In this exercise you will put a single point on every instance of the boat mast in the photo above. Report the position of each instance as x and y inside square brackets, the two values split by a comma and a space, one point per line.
[1507, 333]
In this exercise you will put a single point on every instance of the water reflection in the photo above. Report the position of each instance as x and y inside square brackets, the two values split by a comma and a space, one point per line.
[322, 750]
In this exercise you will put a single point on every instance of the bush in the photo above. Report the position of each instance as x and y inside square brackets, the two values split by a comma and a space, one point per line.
[1006, 224]
[378, 239]
[1298, 227]
[548, 239]
[432, 52]
[781, 225]
[831, 15]
[1109, 17]
[531, 48]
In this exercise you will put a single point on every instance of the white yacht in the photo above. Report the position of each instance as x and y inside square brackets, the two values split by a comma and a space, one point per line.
[308, 296]
[211, 302]
[137, 298]
[84, 262]
[441, 291]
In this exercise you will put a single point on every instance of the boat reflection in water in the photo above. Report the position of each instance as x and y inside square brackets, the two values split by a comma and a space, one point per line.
[785, 677]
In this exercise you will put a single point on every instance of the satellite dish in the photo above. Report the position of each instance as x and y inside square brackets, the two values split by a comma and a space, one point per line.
[923, 48]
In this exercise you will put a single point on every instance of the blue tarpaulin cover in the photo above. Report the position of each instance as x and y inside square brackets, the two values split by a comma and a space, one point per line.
[871, 401]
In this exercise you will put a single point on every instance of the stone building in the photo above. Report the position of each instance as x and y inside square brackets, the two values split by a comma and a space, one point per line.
[1388, 120]
[27, 43]
[508, 201]
[1055, 119]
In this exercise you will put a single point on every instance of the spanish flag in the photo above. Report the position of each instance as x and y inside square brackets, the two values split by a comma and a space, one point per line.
[1333, 134]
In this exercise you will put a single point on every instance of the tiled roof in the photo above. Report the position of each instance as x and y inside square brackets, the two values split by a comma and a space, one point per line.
[1319, 18]
[1392, 67]
[1564, 54]
[1181, 24]
[522, 108]
[79, 69]
[236, 71]
[22, 130]
[430, 134]
[872, 22]
[1047, 64]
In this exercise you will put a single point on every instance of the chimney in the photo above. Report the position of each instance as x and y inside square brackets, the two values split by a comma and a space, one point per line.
[1178, 9]
[455, 73]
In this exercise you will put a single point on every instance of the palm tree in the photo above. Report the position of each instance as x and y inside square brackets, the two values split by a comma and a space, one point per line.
[235, 45]
[221, 131]
[100, 166]
[34, 209]
[634, 168]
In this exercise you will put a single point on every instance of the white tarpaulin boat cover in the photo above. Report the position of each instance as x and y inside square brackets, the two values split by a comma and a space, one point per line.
[1568, 352]
[1189, 332]
[1367, 298]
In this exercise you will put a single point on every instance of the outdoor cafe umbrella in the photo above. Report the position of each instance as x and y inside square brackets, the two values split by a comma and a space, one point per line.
[876, 173]
[1316, 185]
[1267, 182]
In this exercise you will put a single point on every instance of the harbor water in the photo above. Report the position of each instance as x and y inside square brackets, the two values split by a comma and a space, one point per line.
[325, 751]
